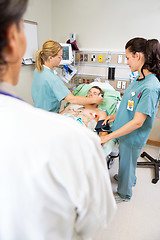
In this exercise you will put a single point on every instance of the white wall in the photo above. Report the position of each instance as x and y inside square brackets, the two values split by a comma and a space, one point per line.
[105, 24]
[41, 12]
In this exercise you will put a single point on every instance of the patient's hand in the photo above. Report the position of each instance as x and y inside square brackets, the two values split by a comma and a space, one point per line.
[109, 118]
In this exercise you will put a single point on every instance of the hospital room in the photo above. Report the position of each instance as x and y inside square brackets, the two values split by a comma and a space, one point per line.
[97, 40]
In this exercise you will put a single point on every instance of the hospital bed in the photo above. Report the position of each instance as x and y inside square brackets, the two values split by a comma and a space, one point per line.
[111, 101]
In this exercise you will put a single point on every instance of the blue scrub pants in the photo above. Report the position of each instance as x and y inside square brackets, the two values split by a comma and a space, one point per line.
[128, 156]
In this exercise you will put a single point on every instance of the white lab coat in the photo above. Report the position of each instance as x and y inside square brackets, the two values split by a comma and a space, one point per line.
[53, 176]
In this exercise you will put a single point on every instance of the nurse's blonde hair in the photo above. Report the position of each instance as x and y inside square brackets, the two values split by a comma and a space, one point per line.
[49, 48]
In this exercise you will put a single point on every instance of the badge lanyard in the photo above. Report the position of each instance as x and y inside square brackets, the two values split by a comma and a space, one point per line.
[10, 95]
[130, 104]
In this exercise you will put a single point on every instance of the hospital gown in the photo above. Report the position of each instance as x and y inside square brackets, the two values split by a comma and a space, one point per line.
[53, 175]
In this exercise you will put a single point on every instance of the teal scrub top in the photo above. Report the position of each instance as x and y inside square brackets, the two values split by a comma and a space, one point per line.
[146, 99]
[48, 90]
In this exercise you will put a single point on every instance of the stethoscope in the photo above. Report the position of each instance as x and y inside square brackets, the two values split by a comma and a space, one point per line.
[10, 95]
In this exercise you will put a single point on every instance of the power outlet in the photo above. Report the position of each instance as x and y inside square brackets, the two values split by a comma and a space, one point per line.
[120, 57]
[81, 57]
[119, 83]
[123, 85]
[100, 58]
[72, 37]
[93, 58]
[108, 59]
[80, 81]
[85, 57]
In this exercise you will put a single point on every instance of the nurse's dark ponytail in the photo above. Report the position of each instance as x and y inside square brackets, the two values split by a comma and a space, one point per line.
[151, 50]
[152, 57]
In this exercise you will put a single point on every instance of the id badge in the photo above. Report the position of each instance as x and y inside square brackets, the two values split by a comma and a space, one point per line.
[130, 105]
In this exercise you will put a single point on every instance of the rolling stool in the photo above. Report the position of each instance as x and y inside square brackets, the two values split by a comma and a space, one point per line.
[153, 162]
[110, 158]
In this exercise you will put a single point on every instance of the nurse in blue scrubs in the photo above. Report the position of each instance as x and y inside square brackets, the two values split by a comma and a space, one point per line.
[48, 90]
[134, 119]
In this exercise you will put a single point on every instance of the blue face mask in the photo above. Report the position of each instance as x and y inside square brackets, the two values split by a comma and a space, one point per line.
[133, 75]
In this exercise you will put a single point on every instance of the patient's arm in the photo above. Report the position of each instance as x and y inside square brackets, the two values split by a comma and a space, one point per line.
[101, 114]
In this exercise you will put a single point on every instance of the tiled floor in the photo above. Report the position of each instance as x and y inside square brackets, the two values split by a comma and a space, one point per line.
[138, 219]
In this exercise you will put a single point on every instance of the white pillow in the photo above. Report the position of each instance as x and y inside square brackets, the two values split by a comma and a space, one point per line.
[102, 85]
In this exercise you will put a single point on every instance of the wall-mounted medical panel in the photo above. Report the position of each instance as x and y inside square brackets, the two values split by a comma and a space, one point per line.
[108, 66]
[89, 57]
[112, 72]
[100, 58]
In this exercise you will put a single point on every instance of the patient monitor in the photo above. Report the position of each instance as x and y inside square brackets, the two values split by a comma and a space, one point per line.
[68, 70]
[67, 54]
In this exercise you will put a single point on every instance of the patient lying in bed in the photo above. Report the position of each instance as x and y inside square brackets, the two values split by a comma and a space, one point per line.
[88, 115]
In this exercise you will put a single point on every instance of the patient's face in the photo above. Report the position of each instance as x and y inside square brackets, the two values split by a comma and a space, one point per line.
[93, 92]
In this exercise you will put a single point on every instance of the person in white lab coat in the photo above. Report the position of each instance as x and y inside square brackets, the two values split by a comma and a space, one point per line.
[53, 176]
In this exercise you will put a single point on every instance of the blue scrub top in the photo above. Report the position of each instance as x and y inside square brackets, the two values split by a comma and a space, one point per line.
[146, 99]
[48, 90]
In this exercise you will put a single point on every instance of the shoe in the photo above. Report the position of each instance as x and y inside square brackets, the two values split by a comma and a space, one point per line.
[116, 178]
[118, 199]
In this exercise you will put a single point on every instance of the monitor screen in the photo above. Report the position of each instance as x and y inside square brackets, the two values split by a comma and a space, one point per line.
[67, 54]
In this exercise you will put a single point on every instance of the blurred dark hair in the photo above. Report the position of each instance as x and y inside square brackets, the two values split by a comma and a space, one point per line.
[11, 11]
[101, 92]
[150, 49]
